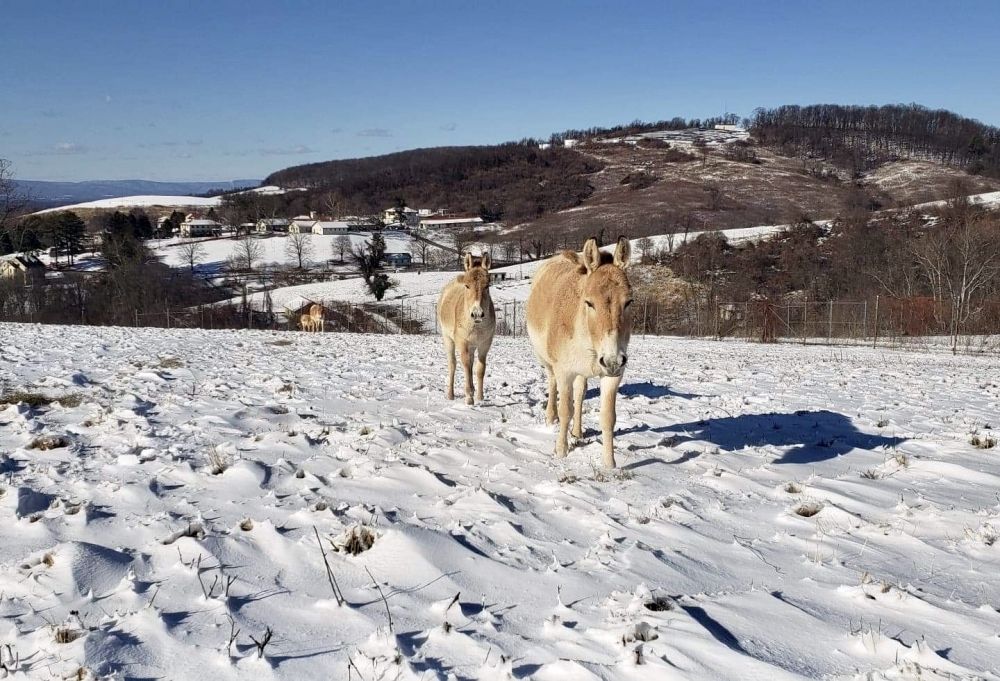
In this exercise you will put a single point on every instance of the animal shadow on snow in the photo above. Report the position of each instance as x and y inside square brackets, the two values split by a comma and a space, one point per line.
[811, 436]
[647, 389]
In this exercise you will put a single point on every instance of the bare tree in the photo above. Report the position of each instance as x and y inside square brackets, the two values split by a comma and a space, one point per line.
[12, 204]
[342, 245]
[246, 253]
[646, 246]
[960, 260]
[299, 247]
[192, 253]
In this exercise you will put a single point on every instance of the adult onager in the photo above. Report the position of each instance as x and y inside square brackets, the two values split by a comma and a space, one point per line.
[467, 320]
[580, 323]
[313, 319]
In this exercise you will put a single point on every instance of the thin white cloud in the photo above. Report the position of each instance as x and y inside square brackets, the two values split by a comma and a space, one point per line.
[287, 151]
[374, 132]
[70, 148]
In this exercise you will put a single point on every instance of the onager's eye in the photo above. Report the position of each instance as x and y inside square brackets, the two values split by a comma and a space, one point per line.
[466, 286]
[589, 304]
[627, 303]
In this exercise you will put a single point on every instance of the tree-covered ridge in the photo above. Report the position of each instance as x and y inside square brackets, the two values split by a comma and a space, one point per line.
[864, 137]
[515, 181]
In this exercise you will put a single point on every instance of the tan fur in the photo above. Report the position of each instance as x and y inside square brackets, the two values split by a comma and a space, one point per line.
[306, 322]
[318, 315]
[575, 341]
[461, 298]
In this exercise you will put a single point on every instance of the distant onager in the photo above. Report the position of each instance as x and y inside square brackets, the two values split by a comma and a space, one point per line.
[467, 320]
[318, 315]
[579, 323]
[306, 322]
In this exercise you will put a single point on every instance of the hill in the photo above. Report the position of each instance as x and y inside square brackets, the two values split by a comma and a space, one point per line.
[652, 178]
[52, 194]
[513, 182]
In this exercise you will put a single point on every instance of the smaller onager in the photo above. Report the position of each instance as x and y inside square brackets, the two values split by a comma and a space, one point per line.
[306, 322]
[579, 323]
[468, 320]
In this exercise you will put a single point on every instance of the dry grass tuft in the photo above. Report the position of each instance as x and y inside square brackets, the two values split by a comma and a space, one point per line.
[39, 400]
[47, 442]
[357, 539]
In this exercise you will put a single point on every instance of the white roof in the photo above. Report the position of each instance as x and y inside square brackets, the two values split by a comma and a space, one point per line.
[201, 222]
[444, 220]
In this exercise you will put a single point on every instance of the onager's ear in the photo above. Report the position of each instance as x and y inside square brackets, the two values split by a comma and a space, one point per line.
[467, 261]
[486, 261]
[591, 255]
[623, 252]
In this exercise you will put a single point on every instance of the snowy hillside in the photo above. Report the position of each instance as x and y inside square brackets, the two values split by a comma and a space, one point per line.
[141, 202]
[782, 512]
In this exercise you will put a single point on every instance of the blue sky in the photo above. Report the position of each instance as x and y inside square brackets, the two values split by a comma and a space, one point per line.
[212, 90]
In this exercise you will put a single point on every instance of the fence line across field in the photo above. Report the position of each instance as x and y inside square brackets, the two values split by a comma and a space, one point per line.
[882, 321]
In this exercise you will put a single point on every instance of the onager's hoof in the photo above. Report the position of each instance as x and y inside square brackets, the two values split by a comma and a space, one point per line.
[469, 400]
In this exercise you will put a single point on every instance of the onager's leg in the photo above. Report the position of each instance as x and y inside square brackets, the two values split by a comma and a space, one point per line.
[550, 408]
[579, 390]
[449, 349]
[565, 387]
[466, 355]
[609, 393]
[480, 372]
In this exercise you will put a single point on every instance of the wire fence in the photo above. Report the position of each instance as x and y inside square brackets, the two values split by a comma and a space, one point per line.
[880, 322]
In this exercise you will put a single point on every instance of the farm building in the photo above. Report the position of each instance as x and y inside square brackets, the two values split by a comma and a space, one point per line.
[451, 222]
[269, 225]
[398, 259]
[21, 266]
[200, 227]
[326, 227]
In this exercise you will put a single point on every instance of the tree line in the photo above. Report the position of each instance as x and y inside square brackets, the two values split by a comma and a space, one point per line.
[863, 137]
[944, 271]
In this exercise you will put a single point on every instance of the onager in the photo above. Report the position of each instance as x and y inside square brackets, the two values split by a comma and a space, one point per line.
[579, 323]
[313, 319]
[468, 320]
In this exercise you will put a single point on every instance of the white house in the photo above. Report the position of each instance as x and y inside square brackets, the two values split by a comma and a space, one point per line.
[200, 227]
[268, 225]
[326, 227]
[411, 217]
[569, 142]
[545, 145]
[729, 128]
[450, 222]
[22, 266]
[301, 224]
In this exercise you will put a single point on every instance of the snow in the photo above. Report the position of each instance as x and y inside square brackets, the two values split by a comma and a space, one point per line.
[217, 251]
[986, 200]
[782, 512]
[141, 202]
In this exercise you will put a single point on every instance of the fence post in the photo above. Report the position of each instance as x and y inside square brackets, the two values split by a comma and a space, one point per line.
[829, 325]
[718, 315]
[864, 322]
[137, 318]
[805, 320]
[400, 314]
[875, 339]
[645, 310]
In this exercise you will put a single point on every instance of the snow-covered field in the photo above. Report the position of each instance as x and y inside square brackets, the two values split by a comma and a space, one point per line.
[780, 512]
[273, 249]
